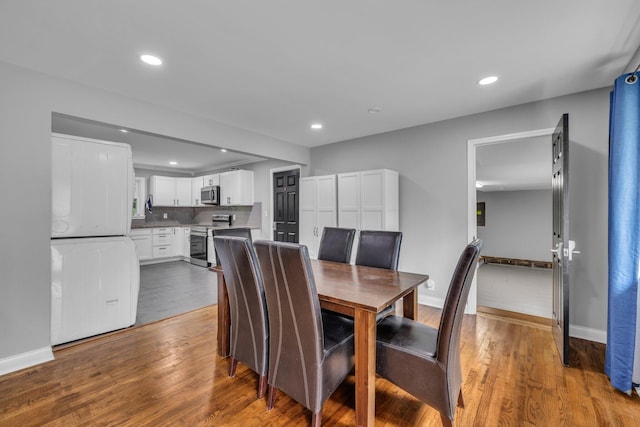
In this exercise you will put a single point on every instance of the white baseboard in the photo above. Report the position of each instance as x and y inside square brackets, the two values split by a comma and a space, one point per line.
[430, 301]
[588, 334]
[575, 331]
[25, 360]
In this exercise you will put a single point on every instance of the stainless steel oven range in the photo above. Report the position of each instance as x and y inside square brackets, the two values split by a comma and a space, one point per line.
[198, 251]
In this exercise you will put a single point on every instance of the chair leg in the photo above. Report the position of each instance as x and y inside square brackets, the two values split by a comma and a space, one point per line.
[460, 400]
[262, 386]
[271, 397]
[232, 367]
[316, 419]
[446, 422]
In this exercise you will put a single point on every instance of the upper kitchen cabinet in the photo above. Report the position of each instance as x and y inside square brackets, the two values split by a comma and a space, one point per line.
[210, 180]
[139, 197]
[236, 188]
[170, 191]
[369, 200]
[197, 182]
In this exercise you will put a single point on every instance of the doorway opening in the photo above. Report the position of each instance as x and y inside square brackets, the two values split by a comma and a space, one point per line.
[494, 146]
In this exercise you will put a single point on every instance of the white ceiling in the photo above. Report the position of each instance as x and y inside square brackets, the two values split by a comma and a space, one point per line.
[523, 164]
[274, 67]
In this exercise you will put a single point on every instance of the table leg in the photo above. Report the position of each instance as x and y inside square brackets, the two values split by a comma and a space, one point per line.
[365, 354]
[224, 319]
[410, 305]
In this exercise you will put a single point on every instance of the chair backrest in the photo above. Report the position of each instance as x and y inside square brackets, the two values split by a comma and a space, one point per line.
[249, 339]
[448, 347]
[379, 249]
[295, 321]
[238, 232]
[336, 244]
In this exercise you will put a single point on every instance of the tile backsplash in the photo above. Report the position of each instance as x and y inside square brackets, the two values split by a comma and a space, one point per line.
[249, 216]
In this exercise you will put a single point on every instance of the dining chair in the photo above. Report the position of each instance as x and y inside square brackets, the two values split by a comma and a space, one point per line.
[425, 361]
[380, 249]
[249, 332]
[336, 244]
[238, 232]
[310, 352]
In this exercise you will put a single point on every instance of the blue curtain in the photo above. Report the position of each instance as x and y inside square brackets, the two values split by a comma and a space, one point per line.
[624, 232]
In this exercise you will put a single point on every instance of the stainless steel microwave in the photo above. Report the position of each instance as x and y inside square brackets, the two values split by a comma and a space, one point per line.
[210, 195]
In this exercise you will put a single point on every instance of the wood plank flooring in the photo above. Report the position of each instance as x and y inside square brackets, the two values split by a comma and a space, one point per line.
[167, 374]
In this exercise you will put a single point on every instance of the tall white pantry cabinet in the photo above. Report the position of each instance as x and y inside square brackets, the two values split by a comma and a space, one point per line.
[364, 200]
[317, 209]
[369, 200]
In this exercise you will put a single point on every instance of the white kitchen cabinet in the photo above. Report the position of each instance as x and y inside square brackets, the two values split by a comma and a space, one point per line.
[369, 200]
[170, 191]
[186, 245]
[236, 188]
[162, 240]
[178, 241]
[162, 190]
[209, 180]
[142, 239]
[183, 191]
[196, 186]
[139, 197]
[317, 209]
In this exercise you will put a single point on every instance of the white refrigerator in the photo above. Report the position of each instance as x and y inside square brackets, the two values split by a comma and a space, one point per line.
[95, 273]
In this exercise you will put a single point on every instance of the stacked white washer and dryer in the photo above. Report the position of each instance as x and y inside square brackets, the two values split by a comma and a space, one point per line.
[95, 273]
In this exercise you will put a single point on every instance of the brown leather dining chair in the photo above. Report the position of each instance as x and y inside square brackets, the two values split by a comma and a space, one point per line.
[249, 332]
[336, 244]
[425, 361]
[238, 232]
[380, 249]
[310, 352]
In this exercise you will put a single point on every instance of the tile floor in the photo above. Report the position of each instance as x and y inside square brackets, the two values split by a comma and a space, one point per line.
[172, 288]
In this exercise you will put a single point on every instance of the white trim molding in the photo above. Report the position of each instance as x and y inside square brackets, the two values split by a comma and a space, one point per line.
[472, 230]
[25, 360]
[589, 334]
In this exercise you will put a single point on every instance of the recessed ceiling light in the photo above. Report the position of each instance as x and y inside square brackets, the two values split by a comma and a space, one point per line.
[316, 126]
[173, 162]
[224, 150]
[151, 59]
[488, 80]
[124, 131]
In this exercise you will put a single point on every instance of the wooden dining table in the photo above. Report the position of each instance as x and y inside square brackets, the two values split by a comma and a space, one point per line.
[358, 291]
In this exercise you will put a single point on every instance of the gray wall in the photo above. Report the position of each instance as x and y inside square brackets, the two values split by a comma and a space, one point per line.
[518, 224]
[432, 161]
[27, 102]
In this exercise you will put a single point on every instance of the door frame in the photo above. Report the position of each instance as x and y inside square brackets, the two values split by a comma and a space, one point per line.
[472, 229]
[271, 172]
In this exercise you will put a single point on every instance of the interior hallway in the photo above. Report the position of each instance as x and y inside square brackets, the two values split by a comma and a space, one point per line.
[519, 289]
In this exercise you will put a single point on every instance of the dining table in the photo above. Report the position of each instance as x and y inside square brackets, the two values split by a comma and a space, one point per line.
[357, 291]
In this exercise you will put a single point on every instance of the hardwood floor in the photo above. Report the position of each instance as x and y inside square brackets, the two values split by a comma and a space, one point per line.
[167, 374]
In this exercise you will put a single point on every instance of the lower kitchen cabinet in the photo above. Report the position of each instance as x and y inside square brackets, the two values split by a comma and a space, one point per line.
[142, 239]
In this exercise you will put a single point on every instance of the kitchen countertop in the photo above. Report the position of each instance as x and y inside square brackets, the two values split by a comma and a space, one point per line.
[176, 224]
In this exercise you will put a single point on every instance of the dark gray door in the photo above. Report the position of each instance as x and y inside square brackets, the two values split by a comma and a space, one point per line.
[561, 244]
[285, 206]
